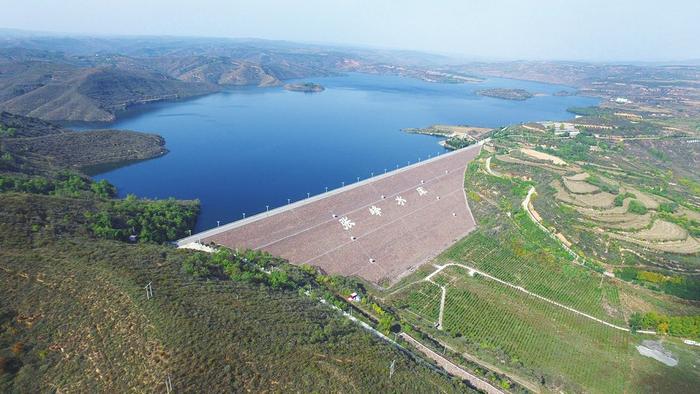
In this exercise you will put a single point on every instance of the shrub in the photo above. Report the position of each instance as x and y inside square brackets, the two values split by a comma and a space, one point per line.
[474, 196]
[279, 279]
[637, 207]
[196, 265]
[687, 326]
[668, 207]
[604, 186]
[103, 189]
[458, 142]
[620, 198]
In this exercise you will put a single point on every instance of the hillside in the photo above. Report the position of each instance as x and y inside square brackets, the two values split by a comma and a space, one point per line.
[93, 94]
[93, 79]
[29, 145]
[75, 315]
[89, 82]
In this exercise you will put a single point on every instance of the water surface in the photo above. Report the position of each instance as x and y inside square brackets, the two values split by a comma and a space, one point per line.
[241, 150]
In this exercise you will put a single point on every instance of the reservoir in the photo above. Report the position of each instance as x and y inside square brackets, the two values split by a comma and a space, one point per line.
[242, 150]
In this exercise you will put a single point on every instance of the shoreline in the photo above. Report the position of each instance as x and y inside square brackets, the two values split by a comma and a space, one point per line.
[141, 108]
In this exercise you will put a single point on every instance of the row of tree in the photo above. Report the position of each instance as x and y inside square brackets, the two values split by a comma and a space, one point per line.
[149, 220]
[680, 326]
[64, 184]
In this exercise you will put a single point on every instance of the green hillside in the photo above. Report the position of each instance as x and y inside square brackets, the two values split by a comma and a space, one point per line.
[75, 317]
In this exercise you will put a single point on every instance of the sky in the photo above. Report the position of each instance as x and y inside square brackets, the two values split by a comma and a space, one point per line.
[593, 30]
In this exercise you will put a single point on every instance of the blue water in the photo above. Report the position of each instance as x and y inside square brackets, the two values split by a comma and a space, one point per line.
[241, 150]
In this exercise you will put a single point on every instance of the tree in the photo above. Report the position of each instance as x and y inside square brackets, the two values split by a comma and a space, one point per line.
[635, 321]
[385, 323]
[103, 189]
[278, 279]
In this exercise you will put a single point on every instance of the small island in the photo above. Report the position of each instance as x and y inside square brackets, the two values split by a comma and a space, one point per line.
[506, 94]
[306, 87]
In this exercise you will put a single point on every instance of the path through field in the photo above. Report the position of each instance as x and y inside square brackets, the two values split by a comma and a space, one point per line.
[521, 289]
[452, 368]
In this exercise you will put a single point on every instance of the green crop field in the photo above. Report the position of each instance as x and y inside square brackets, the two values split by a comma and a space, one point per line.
[560, 348]
[560, 281]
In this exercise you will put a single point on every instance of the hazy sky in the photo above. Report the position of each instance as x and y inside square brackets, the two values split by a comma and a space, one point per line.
[502, 29]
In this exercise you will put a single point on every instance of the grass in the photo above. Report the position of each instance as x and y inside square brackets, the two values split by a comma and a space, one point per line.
[92, 329]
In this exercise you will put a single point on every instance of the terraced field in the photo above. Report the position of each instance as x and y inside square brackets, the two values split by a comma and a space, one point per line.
[522, 303]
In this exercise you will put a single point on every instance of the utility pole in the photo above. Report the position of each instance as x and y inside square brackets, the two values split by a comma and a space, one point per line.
[392, 368]
[168, 385]
[149, 291]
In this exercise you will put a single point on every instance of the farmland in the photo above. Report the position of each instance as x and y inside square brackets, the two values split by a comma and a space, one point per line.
[509, 329]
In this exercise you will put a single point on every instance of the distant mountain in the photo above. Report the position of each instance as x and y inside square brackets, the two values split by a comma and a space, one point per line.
[63, 89]
[87, 83]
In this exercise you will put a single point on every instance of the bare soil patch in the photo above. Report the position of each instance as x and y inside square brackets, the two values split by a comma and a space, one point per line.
[597, 200]
[655, 350]
[662, 231]
[689, 245]
[543, 156]
[602, 214]
[649, 201]
[548, 167]
[578, 177]
[580, 187]
[624, 221]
